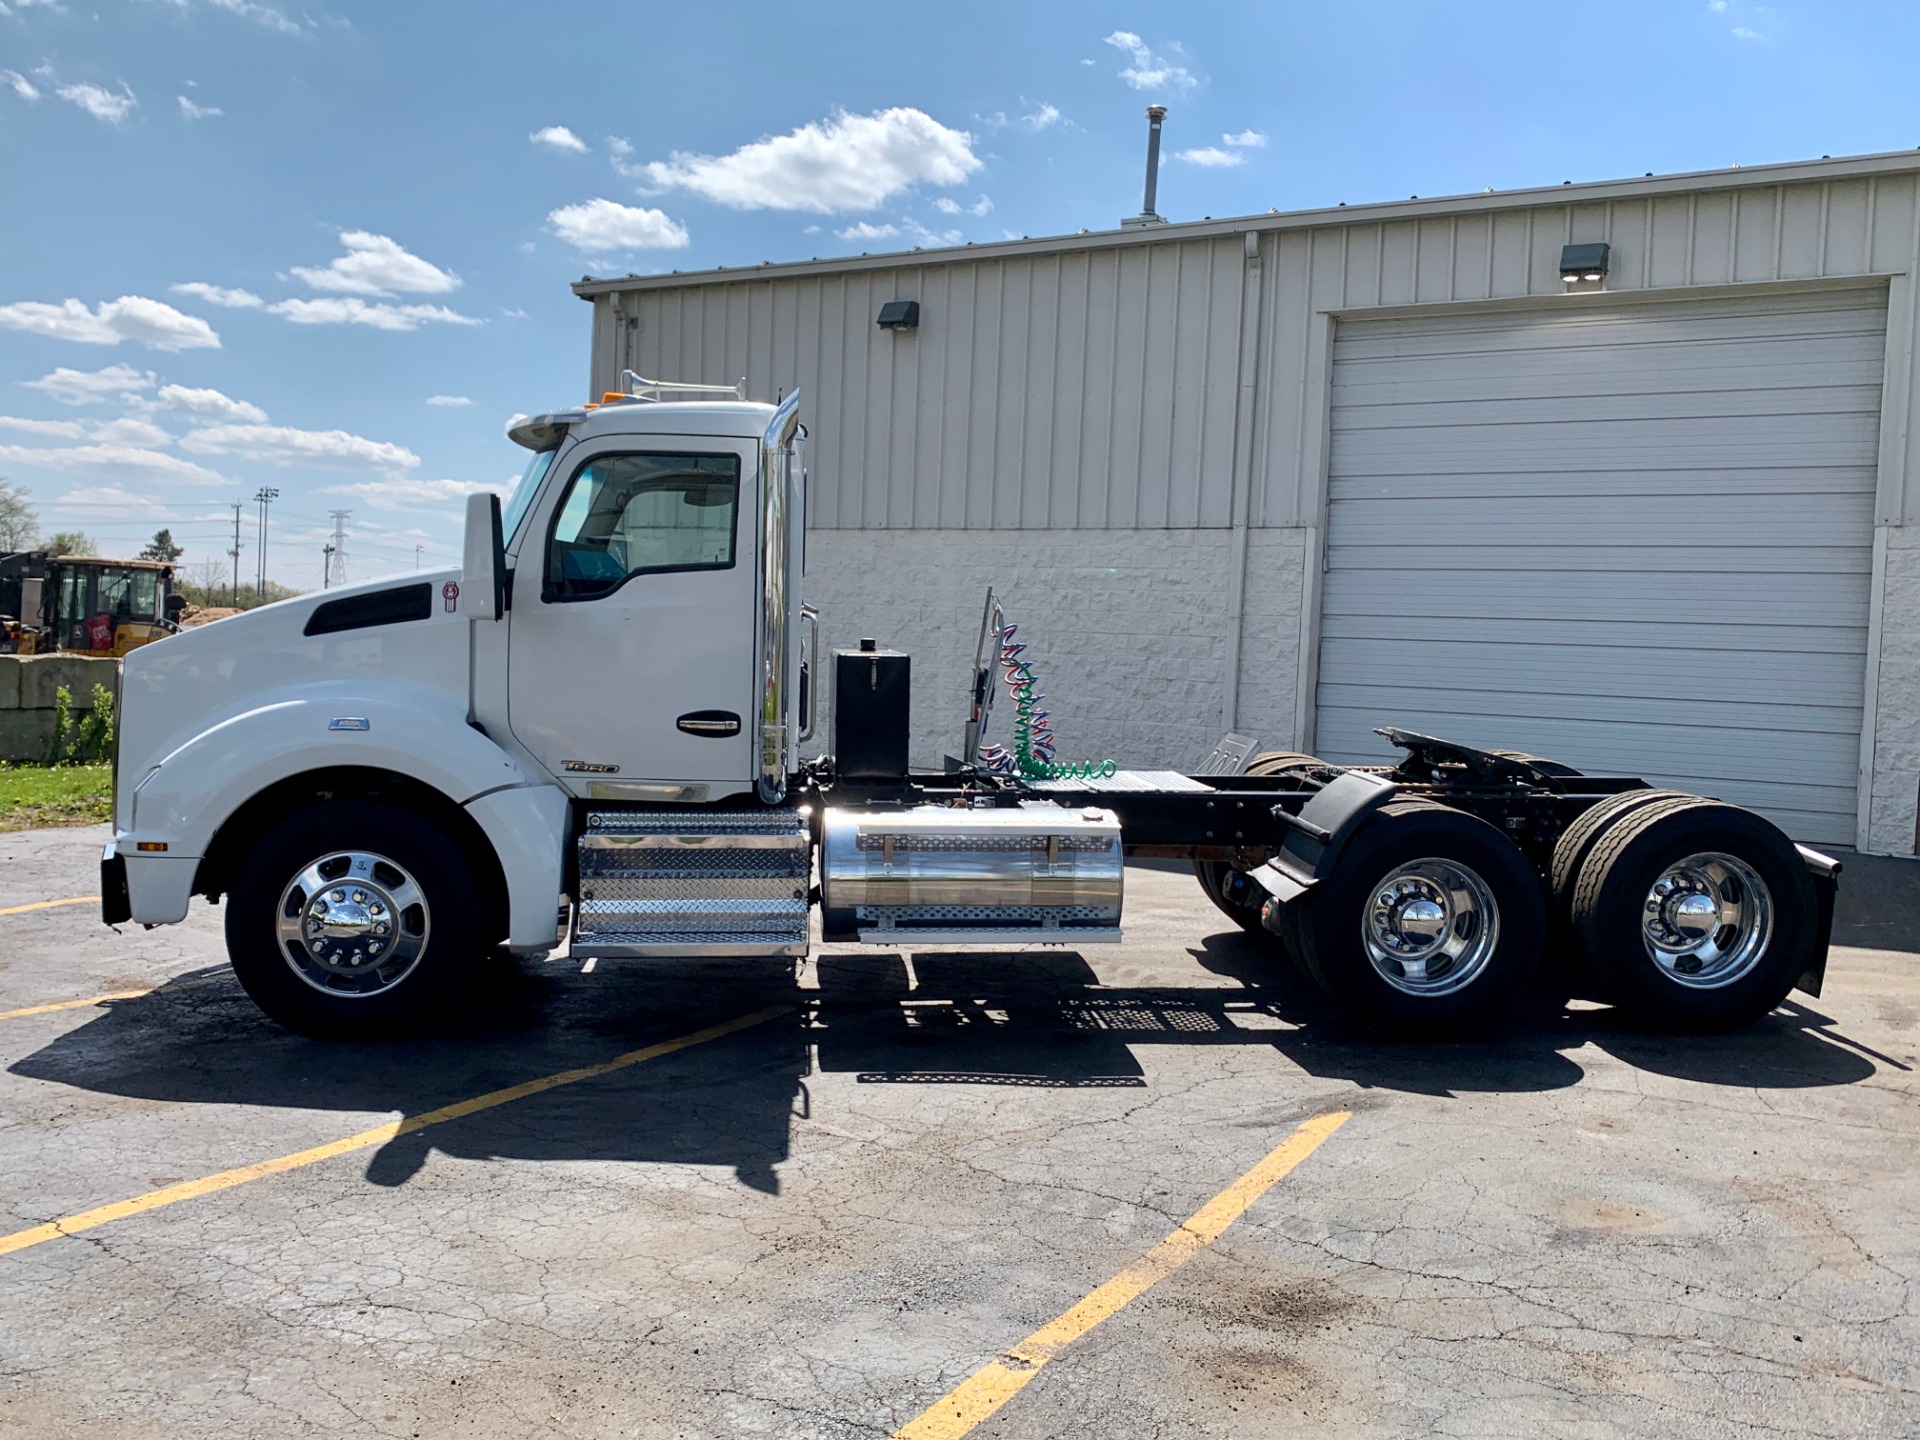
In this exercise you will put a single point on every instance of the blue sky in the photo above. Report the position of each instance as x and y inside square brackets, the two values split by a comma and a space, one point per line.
[326, 246]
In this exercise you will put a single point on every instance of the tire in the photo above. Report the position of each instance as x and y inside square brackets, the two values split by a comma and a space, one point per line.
[1746, 933]
[1493, 933]
[1539, 762]
[395, 870]
[1237, 898]
[1576, 842]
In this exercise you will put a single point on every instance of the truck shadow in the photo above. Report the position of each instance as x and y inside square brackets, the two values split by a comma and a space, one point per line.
[1038, 1020]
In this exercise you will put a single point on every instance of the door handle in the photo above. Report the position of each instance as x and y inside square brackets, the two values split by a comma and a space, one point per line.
[712, 724]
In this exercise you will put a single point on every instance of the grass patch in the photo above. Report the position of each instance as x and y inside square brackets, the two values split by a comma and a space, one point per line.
[32, 796]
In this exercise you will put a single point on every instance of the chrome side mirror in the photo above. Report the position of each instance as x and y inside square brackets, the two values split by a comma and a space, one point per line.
[483, 568]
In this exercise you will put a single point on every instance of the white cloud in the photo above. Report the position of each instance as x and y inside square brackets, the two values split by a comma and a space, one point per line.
[600, 226]
[449, 401]
[946, 205]
[102, 104]
[848, 162]
[112, 500]
[52, 429]
[514, 313]
[284, 445]
[1211, 156]
[112, 462]
[865, 231]
[269, 16]
[377, 265]
[1247, 140]
[191, 111]
[129, 430]
[208, 404]
[132, 317]
[1741, 32]
[1150, 71]
[1717, 6]
[20, 85]
[89, 387]
[405, 493]
[351, 310]
[559, 137]
[1041, 118]
[217, 295]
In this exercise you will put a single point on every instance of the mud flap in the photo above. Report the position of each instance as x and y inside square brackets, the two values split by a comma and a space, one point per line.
[1317, 835]
[116, 905]
[1825, 871]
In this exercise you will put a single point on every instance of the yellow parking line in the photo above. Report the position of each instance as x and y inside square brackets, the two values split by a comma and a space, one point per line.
[971, 1401]
[74, 1004]
[50, 904]
[366, 1139]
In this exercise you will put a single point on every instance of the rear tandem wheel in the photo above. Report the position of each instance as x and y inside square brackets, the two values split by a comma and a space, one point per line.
[1692, 914]
[1430, 923]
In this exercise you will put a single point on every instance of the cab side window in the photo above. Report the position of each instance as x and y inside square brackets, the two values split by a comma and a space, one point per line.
[641, 514]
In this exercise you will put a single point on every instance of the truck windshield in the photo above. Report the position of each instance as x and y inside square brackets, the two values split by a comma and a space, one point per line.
[522, 498]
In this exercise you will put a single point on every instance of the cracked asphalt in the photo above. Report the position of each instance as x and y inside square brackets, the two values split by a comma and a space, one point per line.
[817, 1226]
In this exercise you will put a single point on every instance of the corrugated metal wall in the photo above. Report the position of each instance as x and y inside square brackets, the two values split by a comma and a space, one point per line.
[1091, 384]
[1076, 391]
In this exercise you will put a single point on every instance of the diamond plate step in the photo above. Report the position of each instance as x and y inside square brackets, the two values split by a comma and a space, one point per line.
[730, 883]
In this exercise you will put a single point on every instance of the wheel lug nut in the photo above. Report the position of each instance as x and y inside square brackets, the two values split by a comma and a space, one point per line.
[338, 896]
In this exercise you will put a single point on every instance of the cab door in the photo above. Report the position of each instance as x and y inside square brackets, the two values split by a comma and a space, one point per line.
[631, 634]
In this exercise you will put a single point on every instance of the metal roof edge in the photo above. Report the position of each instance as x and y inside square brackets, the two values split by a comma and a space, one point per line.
[1735, 177]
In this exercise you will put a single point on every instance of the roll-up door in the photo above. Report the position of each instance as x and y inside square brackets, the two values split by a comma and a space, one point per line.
[1633, 537]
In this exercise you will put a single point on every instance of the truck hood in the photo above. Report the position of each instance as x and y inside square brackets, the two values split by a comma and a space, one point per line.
[401, 629]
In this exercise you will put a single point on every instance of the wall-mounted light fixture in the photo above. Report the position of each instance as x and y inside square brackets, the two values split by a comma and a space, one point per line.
[1584, 262]
[900, 315]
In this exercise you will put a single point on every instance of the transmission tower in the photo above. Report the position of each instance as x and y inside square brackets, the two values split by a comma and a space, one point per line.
[337, 563]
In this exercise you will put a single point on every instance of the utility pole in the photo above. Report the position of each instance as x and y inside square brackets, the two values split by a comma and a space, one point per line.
[416, 555]
[233, 590]
[264, 497]
[338, 549]
[326, 567]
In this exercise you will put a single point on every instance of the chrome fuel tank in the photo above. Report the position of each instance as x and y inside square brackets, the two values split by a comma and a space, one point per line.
[1034, 872]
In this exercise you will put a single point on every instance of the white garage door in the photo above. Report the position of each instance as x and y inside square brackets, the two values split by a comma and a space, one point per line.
[1637, 539]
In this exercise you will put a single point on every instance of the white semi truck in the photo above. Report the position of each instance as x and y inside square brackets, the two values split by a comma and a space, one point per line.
[591, 733]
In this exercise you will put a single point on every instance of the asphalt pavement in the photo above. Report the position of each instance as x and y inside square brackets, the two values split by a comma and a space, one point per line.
[1155, 1189]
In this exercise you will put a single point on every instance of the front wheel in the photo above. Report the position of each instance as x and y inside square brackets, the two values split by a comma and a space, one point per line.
[1430, 923]
[353, 919]
[1693, 914]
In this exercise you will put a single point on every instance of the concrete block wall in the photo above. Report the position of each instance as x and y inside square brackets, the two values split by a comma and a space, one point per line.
[28, 684]
[1127, 628]
[1894, 814]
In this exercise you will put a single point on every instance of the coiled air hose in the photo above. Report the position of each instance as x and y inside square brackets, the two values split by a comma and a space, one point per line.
[1033, 752]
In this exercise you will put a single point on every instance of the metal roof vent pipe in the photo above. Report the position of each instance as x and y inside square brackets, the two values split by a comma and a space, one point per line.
[1147, 216]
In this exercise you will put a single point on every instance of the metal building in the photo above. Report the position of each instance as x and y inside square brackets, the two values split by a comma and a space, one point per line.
[1300, 475]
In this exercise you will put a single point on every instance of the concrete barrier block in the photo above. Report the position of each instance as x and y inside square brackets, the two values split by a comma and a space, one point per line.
[42, 675]
[25, 735]
[10, 681]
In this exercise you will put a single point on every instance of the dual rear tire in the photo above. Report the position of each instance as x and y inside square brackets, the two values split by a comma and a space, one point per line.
[1689, 914]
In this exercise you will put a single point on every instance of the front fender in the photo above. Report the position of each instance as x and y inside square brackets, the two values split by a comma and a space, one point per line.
[184, 800]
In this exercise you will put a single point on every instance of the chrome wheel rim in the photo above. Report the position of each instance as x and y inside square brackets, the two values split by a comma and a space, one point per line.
[1707, 920]
[1430, 927]
[353, 924]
